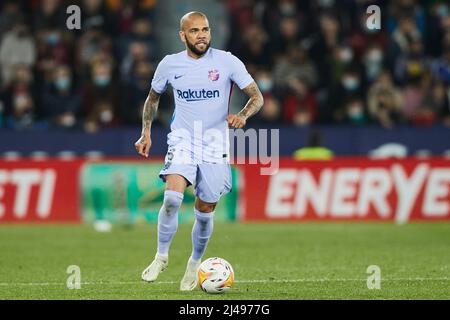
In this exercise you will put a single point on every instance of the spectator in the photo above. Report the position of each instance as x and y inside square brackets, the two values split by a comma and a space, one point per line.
[93, 45]
[400, 43]
[96, 16]
[102, 115]
[265, 81]
[138, 52]
[19, 99]
[412, 64]
[413, 94]
[17, 47]
[141, 31]
[323, 45]
[9, 14]
[270, 114]
[295, 64]
[274, 11]
[401, 8]
[136, 92]
[299, 106]
[242, 13]
[441, 66]
[437, 21]
[354, 112]
[360, 38]
[54, 49]
[287, 35]
[255, 50]
[101, 97]
[340, 61]
[62, 106]
[435, 104]
[49, 15]
[385, 102]
[373, 62]
[350, 87]
[125, 15]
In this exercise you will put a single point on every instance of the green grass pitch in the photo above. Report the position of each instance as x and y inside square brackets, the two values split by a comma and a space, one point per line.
[271, 261]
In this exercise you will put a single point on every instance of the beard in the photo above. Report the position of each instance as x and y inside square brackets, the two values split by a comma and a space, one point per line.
[192, 47]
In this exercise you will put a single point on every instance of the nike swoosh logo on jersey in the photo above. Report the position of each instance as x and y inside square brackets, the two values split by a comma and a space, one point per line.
[177, 77]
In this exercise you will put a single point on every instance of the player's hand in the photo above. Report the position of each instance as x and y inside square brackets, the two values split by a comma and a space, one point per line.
[235, 121]
[143, 144]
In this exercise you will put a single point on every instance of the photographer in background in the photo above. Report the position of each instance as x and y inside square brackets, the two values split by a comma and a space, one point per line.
[314, 149]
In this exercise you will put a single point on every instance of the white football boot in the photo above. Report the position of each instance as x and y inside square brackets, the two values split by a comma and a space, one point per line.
[155, 268]
[189, 281]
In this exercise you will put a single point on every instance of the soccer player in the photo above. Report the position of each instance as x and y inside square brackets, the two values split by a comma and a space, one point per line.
[201, 78]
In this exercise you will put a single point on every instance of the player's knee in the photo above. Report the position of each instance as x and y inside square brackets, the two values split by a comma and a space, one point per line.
[172, 201]
[204, 206]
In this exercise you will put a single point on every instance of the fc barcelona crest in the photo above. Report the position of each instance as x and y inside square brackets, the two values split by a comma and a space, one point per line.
[213, 75]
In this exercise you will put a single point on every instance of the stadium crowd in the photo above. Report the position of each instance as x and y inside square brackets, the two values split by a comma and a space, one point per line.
[315, 62]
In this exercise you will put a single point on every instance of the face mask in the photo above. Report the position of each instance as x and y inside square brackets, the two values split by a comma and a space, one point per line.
[265, 85]
[442, 11]
[68, 120]
[21, 102]
[350, 83]
[326, 3]
[287, 9]
[356, 113]
[372, 71]
[62, 83]
[101, 81]
[106, 116]
[346, 55]
[375, 56]
[52, 39]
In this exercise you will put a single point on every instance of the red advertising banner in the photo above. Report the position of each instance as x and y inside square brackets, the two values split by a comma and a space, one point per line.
[349, 189]
[39, 191]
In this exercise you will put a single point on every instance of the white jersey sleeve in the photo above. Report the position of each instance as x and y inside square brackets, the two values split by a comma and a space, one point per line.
[239, 73]
[161, 77]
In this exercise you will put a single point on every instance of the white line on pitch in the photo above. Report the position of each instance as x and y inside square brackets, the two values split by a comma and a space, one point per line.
[7, 284]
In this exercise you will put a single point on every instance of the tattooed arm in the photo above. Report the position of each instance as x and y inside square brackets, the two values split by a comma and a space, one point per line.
[149, 113]
[252, 106]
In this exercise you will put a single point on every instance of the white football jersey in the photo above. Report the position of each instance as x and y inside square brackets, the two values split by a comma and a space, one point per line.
[202, 90]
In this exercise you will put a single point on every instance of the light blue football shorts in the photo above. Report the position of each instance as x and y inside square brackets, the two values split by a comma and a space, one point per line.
[210, 180]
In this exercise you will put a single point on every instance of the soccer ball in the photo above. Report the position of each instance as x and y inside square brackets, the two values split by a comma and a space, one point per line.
[215, 275]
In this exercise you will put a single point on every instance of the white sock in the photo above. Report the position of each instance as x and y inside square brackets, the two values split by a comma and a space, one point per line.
[168, 220]
[201, 232]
